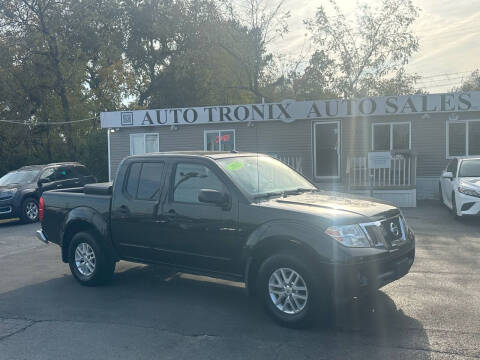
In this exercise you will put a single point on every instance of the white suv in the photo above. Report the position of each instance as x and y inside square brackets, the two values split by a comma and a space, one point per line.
[460, 186]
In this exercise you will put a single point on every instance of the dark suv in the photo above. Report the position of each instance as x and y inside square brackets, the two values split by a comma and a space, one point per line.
[21, 189]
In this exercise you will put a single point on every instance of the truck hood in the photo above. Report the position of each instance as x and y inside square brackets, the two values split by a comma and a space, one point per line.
[335, 207]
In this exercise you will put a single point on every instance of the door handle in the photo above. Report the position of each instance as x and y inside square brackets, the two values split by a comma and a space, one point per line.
[123, 210]
[171, 214]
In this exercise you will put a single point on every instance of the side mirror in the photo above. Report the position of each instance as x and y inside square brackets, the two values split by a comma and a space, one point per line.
[447, 175]
[209, 196]
[42, 181]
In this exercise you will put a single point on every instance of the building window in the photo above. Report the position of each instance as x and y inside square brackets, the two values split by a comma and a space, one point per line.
[143, 143]
[326, 149]
[219, 140]
[391, 136]
[463, 138]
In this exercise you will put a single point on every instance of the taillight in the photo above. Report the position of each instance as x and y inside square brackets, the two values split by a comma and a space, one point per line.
[41, 208]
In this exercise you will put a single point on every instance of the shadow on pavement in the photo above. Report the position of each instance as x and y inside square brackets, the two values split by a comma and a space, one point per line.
[148, 296]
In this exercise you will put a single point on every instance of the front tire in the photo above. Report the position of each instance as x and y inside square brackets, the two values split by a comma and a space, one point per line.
[30, 210]
[89, 263]
[288, 291]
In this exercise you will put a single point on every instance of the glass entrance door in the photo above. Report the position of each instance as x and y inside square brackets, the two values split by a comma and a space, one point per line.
[326, 149]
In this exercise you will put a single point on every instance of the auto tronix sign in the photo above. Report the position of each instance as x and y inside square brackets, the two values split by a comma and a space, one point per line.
[289, 110]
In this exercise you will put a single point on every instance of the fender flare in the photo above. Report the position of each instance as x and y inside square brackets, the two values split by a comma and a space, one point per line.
[308, 237]
[84, 216]
[301, 233]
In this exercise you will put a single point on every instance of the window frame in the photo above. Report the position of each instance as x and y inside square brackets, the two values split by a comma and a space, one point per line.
[219, 131]
[339, 149]
[172, 184]
[467, 130]
[391, 125]
[144, 142]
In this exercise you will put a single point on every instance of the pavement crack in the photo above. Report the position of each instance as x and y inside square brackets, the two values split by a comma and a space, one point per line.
[29, 324]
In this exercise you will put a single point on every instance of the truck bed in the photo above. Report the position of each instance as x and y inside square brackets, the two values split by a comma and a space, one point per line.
[60, 203]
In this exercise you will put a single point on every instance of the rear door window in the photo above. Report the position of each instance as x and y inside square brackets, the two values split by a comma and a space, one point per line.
[150, 181]
[132, 181]
[145, 180]
[64, 173]
[81, 171]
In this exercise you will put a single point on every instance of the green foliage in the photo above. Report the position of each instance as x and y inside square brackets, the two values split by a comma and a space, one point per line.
[472, 83]
[368, 58]
[64, 60]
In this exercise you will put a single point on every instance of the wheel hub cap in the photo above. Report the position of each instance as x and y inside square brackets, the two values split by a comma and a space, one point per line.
[85, 259]
[288, 291]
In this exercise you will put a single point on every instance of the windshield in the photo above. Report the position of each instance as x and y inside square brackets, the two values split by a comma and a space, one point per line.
[19, 177]
[470, 168]
[262, 175]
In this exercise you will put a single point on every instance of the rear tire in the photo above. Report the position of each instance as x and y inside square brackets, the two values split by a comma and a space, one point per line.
[89, 263]
[30, 210]
[290, 291]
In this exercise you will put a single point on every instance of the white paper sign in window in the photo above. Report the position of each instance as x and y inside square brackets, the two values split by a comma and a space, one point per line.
[143, 143]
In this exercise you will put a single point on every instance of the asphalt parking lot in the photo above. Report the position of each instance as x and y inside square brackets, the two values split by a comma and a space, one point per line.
[147, 312]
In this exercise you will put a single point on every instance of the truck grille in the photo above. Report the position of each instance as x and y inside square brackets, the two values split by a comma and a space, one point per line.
[386, 233]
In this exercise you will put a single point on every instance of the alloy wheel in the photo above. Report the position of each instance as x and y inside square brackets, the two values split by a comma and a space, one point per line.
[31, 210]
[85, 259]
[288, 291]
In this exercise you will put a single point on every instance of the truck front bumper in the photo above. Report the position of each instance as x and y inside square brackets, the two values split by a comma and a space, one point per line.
[364, 278]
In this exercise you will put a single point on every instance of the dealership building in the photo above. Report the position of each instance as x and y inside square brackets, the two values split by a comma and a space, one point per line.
[392, 147]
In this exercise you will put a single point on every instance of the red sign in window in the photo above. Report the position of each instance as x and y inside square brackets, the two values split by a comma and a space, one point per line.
[224, 138]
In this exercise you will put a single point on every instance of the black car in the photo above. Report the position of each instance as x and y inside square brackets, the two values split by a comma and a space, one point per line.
[20, 190]
[242, 217]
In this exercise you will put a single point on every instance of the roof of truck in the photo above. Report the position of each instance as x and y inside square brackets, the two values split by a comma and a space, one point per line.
[210, 154]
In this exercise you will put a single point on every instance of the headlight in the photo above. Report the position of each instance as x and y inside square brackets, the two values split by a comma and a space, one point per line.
[349, 235]
[403, 219]
[7, 194]
[468, 191]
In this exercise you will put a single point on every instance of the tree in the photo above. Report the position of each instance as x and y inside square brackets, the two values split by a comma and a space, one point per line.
[250, 28]
[369, 57]
[60, 60]
[472, 83]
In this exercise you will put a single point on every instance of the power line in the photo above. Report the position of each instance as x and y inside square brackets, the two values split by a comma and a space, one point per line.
[447, 74]
[447, 78]
[54, 123]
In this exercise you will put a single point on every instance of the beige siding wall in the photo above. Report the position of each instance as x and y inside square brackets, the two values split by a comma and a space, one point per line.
[278, 137]
[428, 139]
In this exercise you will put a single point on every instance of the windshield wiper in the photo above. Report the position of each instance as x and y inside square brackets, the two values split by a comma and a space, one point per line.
[297, 191]
[283, 193]
[268, 194]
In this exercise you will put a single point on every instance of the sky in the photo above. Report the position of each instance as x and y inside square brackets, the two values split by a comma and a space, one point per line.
[448, 30]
